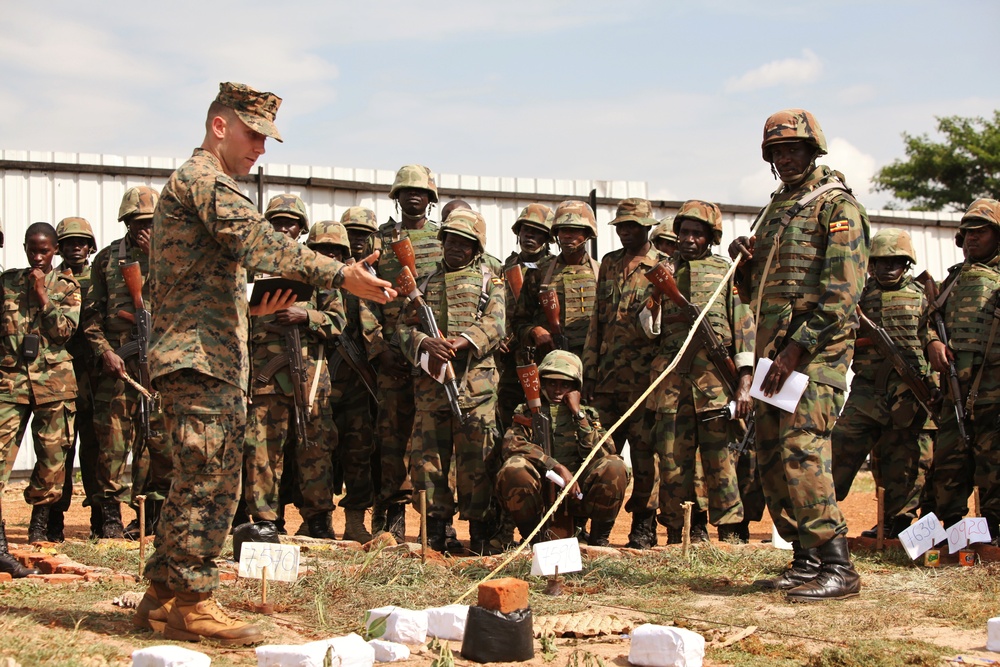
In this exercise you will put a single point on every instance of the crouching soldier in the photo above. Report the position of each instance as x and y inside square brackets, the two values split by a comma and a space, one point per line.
[576, 430]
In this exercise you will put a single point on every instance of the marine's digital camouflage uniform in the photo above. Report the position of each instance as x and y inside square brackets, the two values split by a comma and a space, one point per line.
[45, 388]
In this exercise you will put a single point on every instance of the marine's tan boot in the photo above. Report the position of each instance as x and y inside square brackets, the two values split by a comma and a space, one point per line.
[355, 530]
[196, 616]
[151, 614]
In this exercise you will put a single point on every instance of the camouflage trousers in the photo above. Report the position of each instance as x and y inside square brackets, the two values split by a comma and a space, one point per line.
[958, 466]
[85, 443]
[637, 430]
[51, 430]
[795, 463]
[353, 416]
[901, 457]
[152, 465]
[204, 423]
[270, 425]
[395, 424]
[681, 437]
[510, 393]
[519, 488]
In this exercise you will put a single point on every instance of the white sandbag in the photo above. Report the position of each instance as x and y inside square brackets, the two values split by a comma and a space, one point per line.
[169, 656]
[389, 651]
[373, 615]
[662, 646]
[352, 650]
[406, 626]
[447, 622]
[302, 655]
[993, 635]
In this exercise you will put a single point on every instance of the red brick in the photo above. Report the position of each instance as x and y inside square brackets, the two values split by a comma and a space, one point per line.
[5, 577]
[48, 566]
[62, 578]
[504, 595]
[227, 576]
[72, 568]
[91, 577]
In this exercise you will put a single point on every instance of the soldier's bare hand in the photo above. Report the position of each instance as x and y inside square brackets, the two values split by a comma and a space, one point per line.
[358, 281]
[786, 362]
[744, 404]
[142, 239]
[542, 338]
[566, 476]
[439, 351]
[742, 247]
[36, 280]
[113, 364]
[938, 355]
[571, 399]
[293, 315]
[394, 364]
[273, 302]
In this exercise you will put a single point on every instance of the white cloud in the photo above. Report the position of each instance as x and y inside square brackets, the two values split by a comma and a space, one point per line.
[857, 166]
[779, 72]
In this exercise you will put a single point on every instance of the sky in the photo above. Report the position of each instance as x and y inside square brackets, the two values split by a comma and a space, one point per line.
[671, 93]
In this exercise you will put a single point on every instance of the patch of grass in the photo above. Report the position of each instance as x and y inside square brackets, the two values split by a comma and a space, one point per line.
[58, 646]
[878, 654]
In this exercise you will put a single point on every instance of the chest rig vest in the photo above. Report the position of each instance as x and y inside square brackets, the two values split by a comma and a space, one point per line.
[426, 253]
[898, 311]
[969, 309]
[118, 296]
[576, 285]
[702, 277]
[459, 299]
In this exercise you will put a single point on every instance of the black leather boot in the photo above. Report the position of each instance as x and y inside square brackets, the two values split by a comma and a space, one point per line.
[96, 521]
[451, 537]
[38, 527]
[600, 532]
[57, 524]
[320, 526]
[395, 521]
[699, 526]
[805, 567]
[436, 538]
[111, 510]
[483, 539]
[837, 578]
[8, 563]
[643, 532]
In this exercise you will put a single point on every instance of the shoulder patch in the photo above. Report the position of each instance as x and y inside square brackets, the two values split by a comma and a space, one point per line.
[496, 281]
[841, 225]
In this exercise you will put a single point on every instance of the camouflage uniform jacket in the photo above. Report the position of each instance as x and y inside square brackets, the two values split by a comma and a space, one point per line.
[617, 355]
[730, 319]
[83, 359]
[517, 259]
[577, 288]
[572, 440]
[455, 298]
[326, 321]
[50, 376]
[968, 316]
[815, 279]
[363, 327]
[205, 231]
[102, 326]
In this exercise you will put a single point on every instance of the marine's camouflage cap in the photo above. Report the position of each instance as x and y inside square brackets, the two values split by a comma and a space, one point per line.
[254, 108]
[634, 210]
[534, 215]
[574, 213]
[138, 203]
[288, 206]
[664, 230]
[78, 227]
[563, 365]
[329, 231]
[465, 223]
[359, 217]
[893, 242]
[792, 125]
[702, 211]
[982, 212]
[414, 176]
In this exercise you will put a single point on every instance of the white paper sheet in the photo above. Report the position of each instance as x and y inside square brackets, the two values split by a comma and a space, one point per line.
[562, 553]
[791, 392]
[922, 535]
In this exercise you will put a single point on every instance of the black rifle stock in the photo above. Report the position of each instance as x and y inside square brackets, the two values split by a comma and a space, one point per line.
[292, 358]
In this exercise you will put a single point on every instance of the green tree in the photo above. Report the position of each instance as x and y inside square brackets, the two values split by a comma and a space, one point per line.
[947, 174]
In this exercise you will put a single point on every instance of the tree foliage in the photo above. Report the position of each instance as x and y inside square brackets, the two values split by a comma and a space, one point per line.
[950, 173]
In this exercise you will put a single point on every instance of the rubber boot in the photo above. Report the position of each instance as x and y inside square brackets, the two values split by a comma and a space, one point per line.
[196, 616]
[600, 532]
[8, 563]
[151, 614]
[321, 526]
[57, 523]
[837, 578]
[354, 527]
[805, 568]
[481, 538]
[643, 532]
[452, 543]
[395, 521]
[111, 510]
[39, 524]
[730, 532]
[436, 538]
[96, 521]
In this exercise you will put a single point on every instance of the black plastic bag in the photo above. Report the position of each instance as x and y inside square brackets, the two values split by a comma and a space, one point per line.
[262, 531]
[491, 636]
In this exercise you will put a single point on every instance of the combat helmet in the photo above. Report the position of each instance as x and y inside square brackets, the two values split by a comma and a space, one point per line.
[361, 218]
[75, 227]
[574, 213]
[792, 125]
[288, 206]
[414, 176]
[563, 365]
[893, 243]
[982, 212]
[664, 230]
[138, 203]
[702, 211]
[465, 223]
[538, 216]
[330, 232]
[634, 210]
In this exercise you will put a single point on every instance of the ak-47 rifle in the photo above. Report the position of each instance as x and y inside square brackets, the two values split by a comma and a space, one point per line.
[931, 291]
[352, 354]
[138, 346]
[549, 298]
[515, 280]
[428, 324]
[561, 524]
[875, 334]
[292, 357]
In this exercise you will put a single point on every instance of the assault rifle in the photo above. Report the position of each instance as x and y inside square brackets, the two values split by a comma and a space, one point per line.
[931, 291]
[561, 525]
[291, 357]
[138, 346]
[428, 324]
[549, 298]
[877, 335]
[515, 280]
[352, 354]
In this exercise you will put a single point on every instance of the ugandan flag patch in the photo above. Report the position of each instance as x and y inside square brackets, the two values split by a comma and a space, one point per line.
[839, 226]
[497, 281]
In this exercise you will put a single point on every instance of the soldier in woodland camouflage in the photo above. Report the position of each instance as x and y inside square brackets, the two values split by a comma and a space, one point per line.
[804, 270]
[576, 430]
[206, 233]
[971, 313]
[41, 312]
[882, 416]
[468, 302]
[686, 400]
[663, 237]
[617, 357]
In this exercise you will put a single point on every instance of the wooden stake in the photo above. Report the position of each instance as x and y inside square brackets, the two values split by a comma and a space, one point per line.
[142, 533]
[880, 531]
[975, 502]
[686, 536]
[263, 586]
[422, 496]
